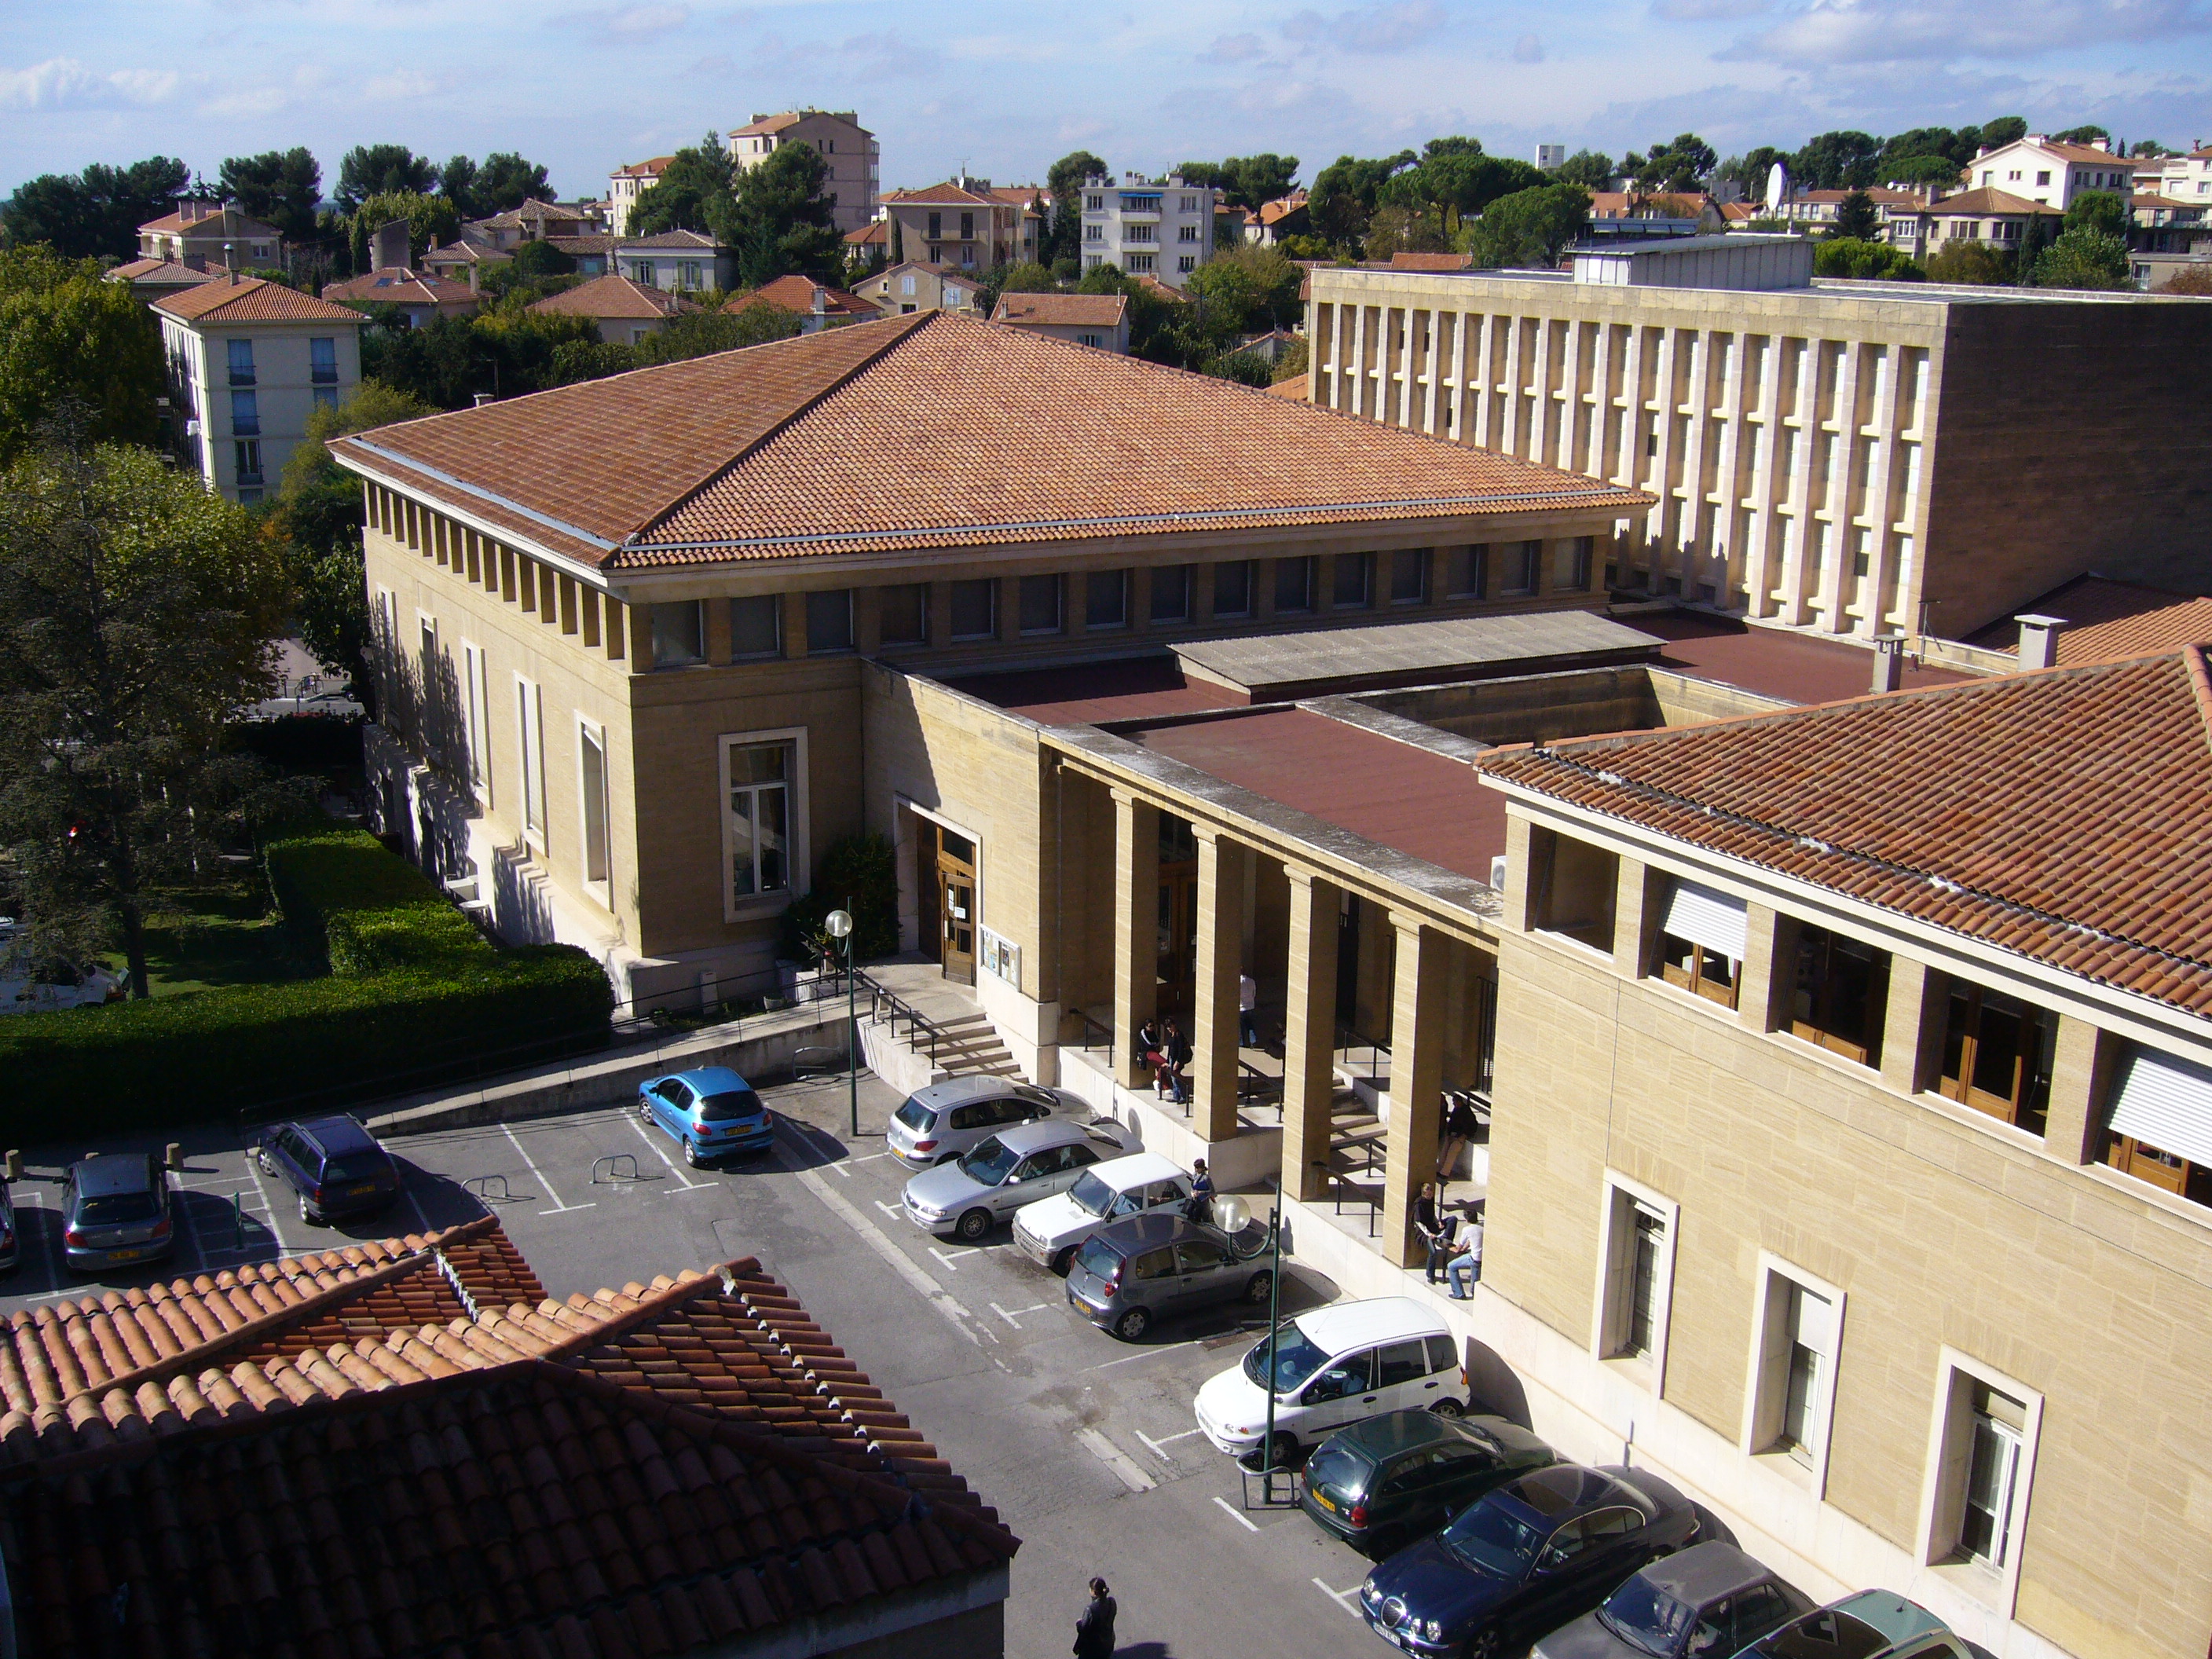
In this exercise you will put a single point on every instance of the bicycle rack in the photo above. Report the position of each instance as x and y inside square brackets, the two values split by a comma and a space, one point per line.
[1278, 1488]
[613, 1164]
[480, 1189]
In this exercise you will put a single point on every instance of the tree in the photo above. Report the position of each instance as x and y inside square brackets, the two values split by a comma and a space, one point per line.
[692, 190]
[1585, 167]
[1249, 290]
[1837, 160]
[1530, 228]
[457, 183]
[702, 333]
[1031, 278]
[2190, 279]
[779, 221]
[2083, 135]
[2034, 237]
[2150, 147]
[2084, 257]
[94, 214]
[1064, 180]
[280, 187]
[1922, 170]
[137, 609]
[1857, 219]
[1252, 181]
[1403, 230]
[382, 170]
[507, 180]
[533, 260]
[1454, 181]
[1971, 262]
[431, 223]
[1865, 261]
[66, 337]
[2099, 210]
[1683, 163]
[2005, 130]
[1344, 195]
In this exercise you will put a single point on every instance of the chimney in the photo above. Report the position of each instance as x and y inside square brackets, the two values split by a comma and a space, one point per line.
[2038, 641]
[229, 264]
[1888, 661]
[821, 300]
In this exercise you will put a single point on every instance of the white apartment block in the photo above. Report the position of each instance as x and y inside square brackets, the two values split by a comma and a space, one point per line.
[2040, 170]
[626, 184]
[1162, 230]
[853, 160]
[2182, 178]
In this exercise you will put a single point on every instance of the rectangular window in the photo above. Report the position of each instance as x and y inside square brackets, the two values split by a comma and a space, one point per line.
[1997, 1054]
[1040, 604]
[1701, 942]
[1982, 1456]
[1796, 1333]
[1353, 584]
[326, 396]
[1232, 588]
[1106, 599]
[1840, 994]
[1294, 585]
[679, 634]
[245, 414]
[1187, 262]
[1809, 1327]
[1141, 264]
[1524, 567]
[1637, 1273]
[757, 626]
[1572, 888]
[756, 816]
[936, 225]
[829, 622]
[1466, 571]
[903, 614]
[530, 744]
[1171, 593]
[1409, 576]
[245, 456]
[1094, 233]
[475, 716]
[1574, 563]
[1187, 234]
[2159, 1122]
[967, 227]
[322, 361]
[241, 361]
[592, 780]
[975, 609]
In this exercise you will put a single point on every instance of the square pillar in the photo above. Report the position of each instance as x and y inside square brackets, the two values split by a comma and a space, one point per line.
[1417, 1058]
[1136, 927]
[1913, 1025]
[1221, 866]
[1309, 1033]
[1640, 892]
[2080, 1070]
[1769, 969]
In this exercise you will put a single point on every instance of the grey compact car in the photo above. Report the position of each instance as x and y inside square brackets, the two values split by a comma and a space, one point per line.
[1702, 1603]
[1012, 1168]
[1129, 1273]
[947, 1119]
[116, 1210]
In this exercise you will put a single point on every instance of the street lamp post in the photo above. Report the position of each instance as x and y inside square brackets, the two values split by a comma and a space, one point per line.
[840, 926]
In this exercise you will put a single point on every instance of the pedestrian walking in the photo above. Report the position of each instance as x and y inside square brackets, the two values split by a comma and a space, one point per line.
[1094, 1630]
[1432, 1230]
[1463, 1269]
[1248, 1011]
[1174, 1052]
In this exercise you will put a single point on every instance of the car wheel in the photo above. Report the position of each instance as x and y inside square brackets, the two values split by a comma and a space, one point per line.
[1062, 1261]
[1449, 1407]
[690, 1152]
[1286, 1449]
[307, 1215]
[974, 1225]
[644, 1112]
[1483, 1644]
[1259, 1287]
[268, 1164]
[1133, 1324]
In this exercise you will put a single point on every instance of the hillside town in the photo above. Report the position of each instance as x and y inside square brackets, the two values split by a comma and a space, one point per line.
[1442, 903]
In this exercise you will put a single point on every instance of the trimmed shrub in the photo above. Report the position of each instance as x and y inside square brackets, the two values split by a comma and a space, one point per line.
[863, 868]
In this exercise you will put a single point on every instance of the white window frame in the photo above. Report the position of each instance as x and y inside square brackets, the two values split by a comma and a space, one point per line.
[1764, 1392]
[796, 821]
[1622, 1195]
[530, 741]
[475, 718]
[601, 886]
[1943, 1479]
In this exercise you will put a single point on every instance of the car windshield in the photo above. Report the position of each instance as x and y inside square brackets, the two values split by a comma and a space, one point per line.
[915, 1116]
[1099, 1259]
[1645, 1617]
[118, 1210]
[1091, 1195]
[989, 1163]
[729, 1106]
[1298, 1359]
[357, 1170]
[1340, 1468]
[1490, 1539]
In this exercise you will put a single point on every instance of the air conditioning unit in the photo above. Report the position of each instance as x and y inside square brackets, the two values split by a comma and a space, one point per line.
[1498, 873]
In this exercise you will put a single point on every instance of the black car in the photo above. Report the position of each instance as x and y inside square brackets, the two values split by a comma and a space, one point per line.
[335, 1166]
[1131, 1272]
[1707, 1602]
[1392, 1479]
[1527, 1557]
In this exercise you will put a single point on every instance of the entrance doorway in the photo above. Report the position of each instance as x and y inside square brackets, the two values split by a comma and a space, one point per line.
[948, 877]
[1177, 967]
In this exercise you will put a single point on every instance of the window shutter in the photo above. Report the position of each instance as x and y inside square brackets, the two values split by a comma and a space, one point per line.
[2167, 1101]
[1706, 917]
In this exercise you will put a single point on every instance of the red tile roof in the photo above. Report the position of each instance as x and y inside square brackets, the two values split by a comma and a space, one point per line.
[1282, 207]
[1295, 389]
[777, 451]
[875, 232]
[947, 194]
[652, 169]
[796, 293]
[763, 124]
[668, 238]
[2106, 619]
[1063, 310]
[1988, 200]
[160, 270]
[615, 297]
[251, 300]
[402, 288]
[1402, 261]
[1940, 806]
[225, 221]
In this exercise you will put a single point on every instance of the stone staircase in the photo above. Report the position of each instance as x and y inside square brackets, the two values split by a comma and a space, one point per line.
[971, 1046]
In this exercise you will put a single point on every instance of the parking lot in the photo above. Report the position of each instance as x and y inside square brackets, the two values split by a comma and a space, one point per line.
[1087, 1445]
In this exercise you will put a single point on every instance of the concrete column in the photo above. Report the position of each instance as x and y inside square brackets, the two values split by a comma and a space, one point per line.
[1639, 891]
[1520, 911]
[1309, 1033]
[867, 620]
[1769, 968]
[1136, 927]
[1912, 1026]
[1417, 1054]
[2074, 1130]
[1221, 891]
[640, 619]
[795, 625]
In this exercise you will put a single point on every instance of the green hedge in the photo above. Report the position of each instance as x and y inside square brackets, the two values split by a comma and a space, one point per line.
[416, 996]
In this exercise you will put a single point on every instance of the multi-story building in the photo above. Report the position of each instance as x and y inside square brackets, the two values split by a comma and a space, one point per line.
[626, 184]
[2045, 171]
[1098, 320]
[962, 223]
[1163, 230]
[534, 221]
[851, 163]
[1857, 458]
[210, 235]
[2177, 178]
[680, 261]
[914, 286]
[249, 361]
[1993, 217]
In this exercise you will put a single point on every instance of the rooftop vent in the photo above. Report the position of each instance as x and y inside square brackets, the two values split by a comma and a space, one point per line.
[2038, 641]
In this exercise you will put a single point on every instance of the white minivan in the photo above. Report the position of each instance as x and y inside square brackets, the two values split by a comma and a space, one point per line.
[1337, 1365]
[1052, 1230]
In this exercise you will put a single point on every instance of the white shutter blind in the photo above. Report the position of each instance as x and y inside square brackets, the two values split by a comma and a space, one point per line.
[1706, 917]
[2167, 1101]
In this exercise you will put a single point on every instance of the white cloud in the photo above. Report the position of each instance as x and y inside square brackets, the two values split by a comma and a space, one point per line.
[1701, 11]
[65, 83]
[1528, 49]
[1379, 28]
[628, 24]
[399, 85]
[1233, 49]
[1831, 32]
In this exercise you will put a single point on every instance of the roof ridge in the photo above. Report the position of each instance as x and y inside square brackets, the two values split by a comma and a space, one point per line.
[715, 1281]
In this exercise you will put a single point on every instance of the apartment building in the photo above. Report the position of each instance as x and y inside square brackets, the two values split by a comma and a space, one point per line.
[626, 184]
[2177, 178]
[1855, 458]
[2052, 173]
[249, 360]
[1994, 217]
[913, 286]
[852, 162]
[678, 261]
[210, 235]
[963, 223]
[1147, 228]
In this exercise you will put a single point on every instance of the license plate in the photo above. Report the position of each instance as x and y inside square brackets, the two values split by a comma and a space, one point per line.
[361, 1191]
[1324, 1500]
[124, 1255]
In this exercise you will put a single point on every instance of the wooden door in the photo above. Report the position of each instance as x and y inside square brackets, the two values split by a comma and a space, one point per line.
[1177, 967]
[955, 906]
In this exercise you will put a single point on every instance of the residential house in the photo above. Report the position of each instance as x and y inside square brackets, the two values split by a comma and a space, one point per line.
[626, 184]
[2154, 272]
[150, 279]
[1286, 215]
[870, 242]
[420, 297]
[1152, 285]
[2165, 224]
[916, 286]
[680, 261]
[210, 235]
[2049, 173]
[817, 305]
[1995, 218]
[852, 162]
[962, 223]
[465, 260]
[534, 221]
[1098, 320]
[1147, 228]
[2180, 177]
[1233, 226]
[625, 312]
[1897, 211]
[407, 1447]
[593, 252]
[249, 360]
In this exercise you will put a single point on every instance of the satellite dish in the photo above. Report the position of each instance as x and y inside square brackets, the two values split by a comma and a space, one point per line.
[1778, 187]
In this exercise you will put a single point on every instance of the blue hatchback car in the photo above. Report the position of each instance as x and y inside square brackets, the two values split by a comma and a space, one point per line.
[713, 1111]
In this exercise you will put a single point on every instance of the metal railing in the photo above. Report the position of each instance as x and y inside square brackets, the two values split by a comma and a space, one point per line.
[887, 1008]
[1350, 1041]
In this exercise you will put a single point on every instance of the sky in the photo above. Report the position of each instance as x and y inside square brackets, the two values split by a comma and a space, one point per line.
[1006, 88]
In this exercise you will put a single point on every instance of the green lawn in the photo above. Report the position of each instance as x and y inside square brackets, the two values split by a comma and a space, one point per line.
[221, 932]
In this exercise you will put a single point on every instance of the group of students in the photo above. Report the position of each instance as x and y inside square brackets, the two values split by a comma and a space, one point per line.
[1161, 1045]
[1453, 1243]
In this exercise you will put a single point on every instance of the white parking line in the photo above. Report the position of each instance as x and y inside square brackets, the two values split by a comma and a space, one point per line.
[891, 1210]
[1144, 1353]
[685, 1183]
[1014, 1318]
[1234, 1514]
[422, 1221]
[1159, 1447]
[558, 1206]
[950, 1266]
[1124, 1466]
[46, 1245]
[268, 1209]
[1342, 1598]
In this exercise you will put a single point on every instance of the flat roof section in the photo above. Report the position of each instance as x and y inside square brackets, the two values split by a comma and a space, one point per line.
[1421, 803]
[1377, 656]
[1794, 667]
[1092, 693]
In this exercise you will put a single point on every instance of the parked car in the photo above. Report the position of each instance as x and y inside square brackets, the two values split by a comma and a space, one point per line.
[1334, 1366]
[1392, 1479]
[37, 982]
[1012, 1168]
[11, 1246]
[334, 1164]
[1876, 1624]
[1133, 1272]
[116, 1209]
[1050, 1230]
[1528, 1557]
[948, 1120]
[1704, 1603]
[713, 1112]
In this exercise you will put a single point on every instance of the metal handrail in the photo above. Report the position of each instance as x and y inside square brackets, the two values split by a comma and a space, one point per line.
[882, 997]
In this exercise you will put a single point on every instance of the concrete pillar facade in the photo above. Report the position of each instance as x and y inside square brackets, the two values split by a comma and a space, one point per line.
[1136, 927]
[1416, 1082]
[1309, 1034]
[1221, 893]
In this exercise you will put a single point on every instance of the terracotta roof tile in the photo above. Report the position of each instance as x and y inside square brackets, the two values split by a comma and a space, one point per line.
[1989, 200]
[796, 293]
[164, 271]
[2106, 619]
[1063, 310]
[401, 287]
[616, 297]
[1431, 261]
[251, 300]
[1939, 805]
[668, 238]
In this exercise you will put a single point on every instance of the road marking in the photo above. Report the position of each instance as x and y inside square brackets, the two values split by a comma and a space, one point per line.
[1014, 1318]
[414, 1204]
[685, 1183]
[950, 1266]
[1124, 1466]
[1234, 1514]
[1340, 1597]
[1145, 1353]
[1159, 1447]
[870, 1158]
[891, 1210]
[268, 1209]
[558, 1206]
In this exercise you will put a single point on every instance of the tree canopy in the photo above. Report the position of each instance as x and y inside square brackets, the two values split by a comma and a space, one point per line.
[2082, 135]
[1586, 167]
[1857, 219]
[96, 213]
[1245, 181]
[505, 180]
[1528, 229]
[779, 221]
[1866, 261]
[431, 223]
[282, 188]
[2098, 209]
[382, 170]
[1248, 290]
[2083, 257]
[67, 337]
[1683, 163]
[1837, 161]
[696, 181]
[1064, 180]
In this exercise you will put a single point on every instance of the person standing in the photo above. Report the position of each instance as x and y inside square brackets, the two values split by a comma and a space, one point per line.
[1175, 1051]
[1094, 1630]
[1149, 1041]
[1463, 1269]
[1461, 1124]
[1201, 1208]
[1248, 1011]
[1431, 1228]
